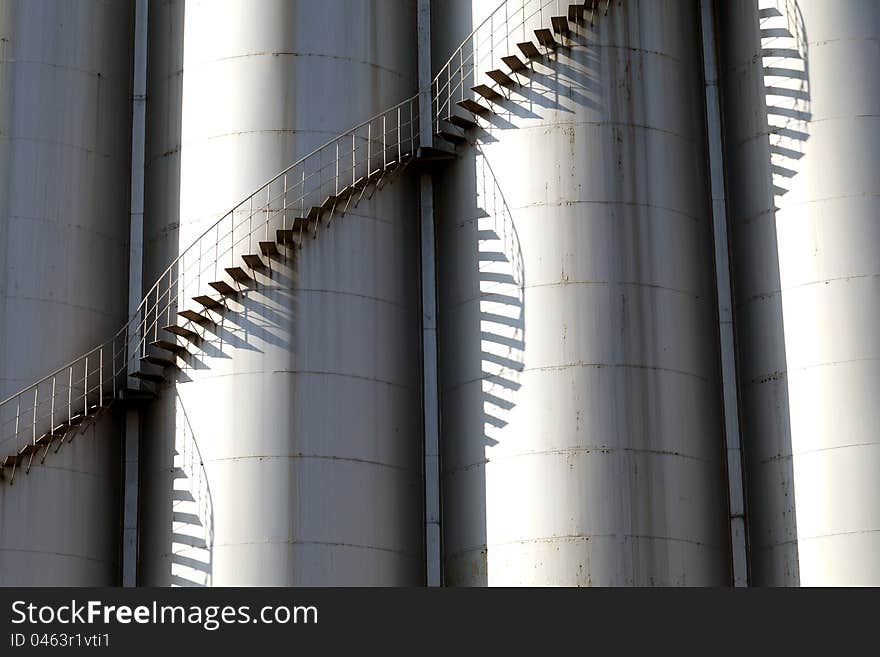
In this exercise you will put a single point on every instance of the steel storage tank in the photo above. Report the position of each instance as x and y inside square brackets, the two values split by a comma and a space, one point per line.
[65, 113]
[290, 453]
[802, 101]
[581, 417]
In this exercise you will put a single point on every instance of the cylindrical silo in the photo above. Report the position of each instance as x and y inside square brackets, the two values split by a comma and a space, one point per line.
[289, 452]
[65, 108]
[802, 132]
[581, 422]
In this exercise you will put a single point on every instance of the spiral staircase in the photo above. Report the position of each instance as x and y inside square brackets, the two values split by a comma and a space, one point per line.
[275, 221]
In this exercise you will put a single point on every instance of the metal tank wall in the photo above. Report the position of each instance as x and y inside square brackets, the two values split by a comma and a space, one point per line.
[289, 452]
[581, 417]
[65, 108]
[802, 101]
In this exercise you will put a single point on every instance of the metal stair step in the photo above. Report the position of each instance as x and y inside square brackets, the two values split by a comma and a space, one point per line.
[461, 122]
[576, 13]
[208, 302]
[486, 92]
[269, 249]
[158, 361]
[196, 317]
[314, 213]
[428, 155]
[501, 77]
[136, 395]
[360, 183]
[345, 192]
[530, 50]
[329, 203]
[284, 236]
[301, 223]
[147, 376]
[65, 426]
[28, 449]
[223, 287]
[47, 438]
[771, 12]
[545, 38]
[238, 274]
[185, 333]
[560, 25]
[166, 345]
[473, 106]
[253, 261]
[450, 135]
[514, 63]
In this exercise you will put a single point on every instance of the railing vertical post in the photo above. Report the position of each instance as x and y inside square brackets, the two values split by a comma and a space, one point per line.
[412, 132]
[384, 144]
[353, 160]
[86, 389]
[171, 283]
[181, 286]
[491, 47]
[460, 75]
[284, 206]
[101, 377]
[216, 248]
[369, 145]
[34, 422]
[70, 396]
[400, 139]
[507, 29]
[199, 270]
[52, 409]
[143, 329]
[336, 178]
[123, 353]
[302, 205]
[17, 415]
[34, 434]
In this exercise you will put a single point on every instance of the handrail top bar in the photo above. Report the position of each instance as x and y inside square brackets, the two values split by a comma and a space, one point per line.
[146, 297]
[478, 28]
[326, 144]
[61, 369]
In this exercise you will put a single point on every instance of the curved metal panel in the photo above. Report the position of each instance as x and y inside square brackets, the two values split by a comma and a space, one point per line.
[802, 113]
[582, 430]
[65, 112]
[288, 452]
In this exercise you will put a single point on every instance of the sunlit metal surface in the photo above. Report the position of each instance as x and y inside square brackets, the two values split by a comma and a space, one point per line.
[582, 426]
[803, 154]
[304, 401]
[65, 111]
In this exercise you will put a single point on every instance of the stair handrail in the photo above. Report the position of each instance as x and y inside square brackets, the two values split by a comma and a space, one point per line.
[482, 49]
[87, 395]
[92, 385]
